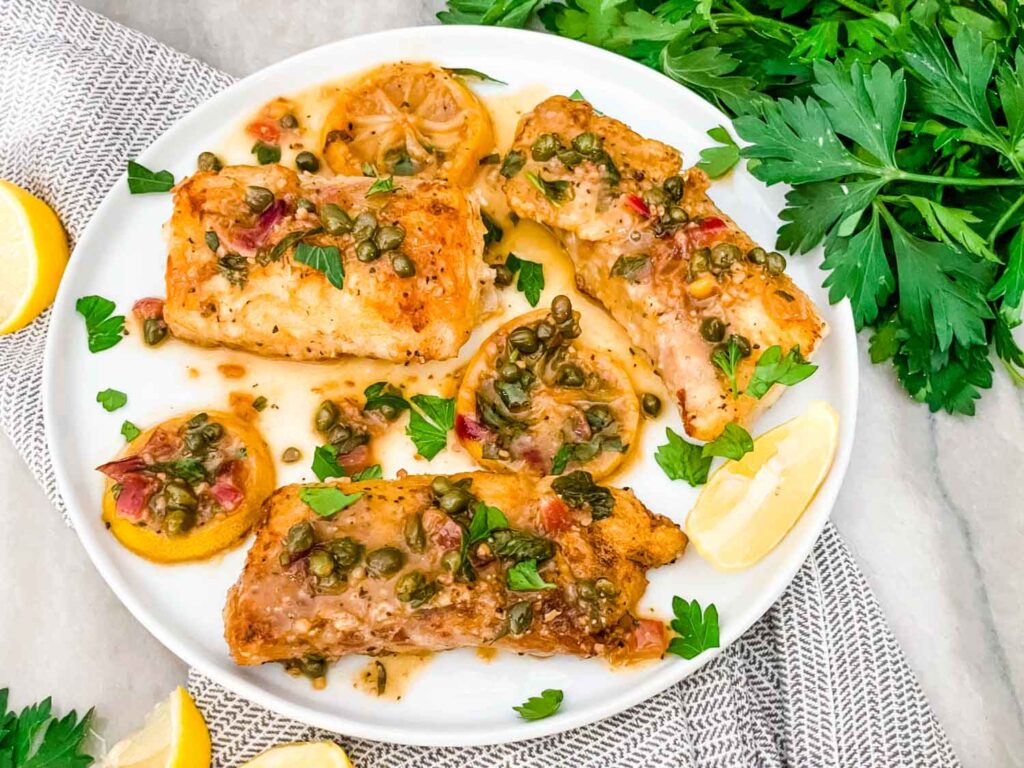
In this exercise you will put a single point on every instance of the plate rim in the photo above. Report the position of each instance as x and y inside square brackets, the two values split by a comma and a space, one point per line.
[515, 730]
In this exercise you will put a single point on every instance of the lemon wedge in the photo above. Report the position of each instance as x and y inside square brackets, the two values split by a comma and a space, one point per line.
[748, 506]
[33, 254]
[173, 736]
[322, 754]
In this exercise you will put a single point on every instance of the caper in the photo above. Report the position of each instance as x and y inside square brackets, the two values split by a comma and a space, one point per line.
[775, 263]
[546, 332]
[674, 187]
[388, 238]
[586, 143]
[524, 339]
[570, 329]
[195, 442]
[570, 376]
[291, 455]
[288, 121]
[502, 275]
[347, 552]
[321, 563]
[299, 539]
[366, 251]
[451, 560]
[544, 147]
[178, 521]
[723, 256]
[409, 585]
[307, 161]
[258, 198]
[712, 329]
[650, 403]
[570, 158]
[415, 536]
[510, 372]
[605, 588]
[364, 226]
[197, 421]
[584, 452]
[334, 582]
[403, 265]
[757, 255]
[520, 617]
[384, 562]
[655, 196]
[154, 330]
[313, 665]
[306, 205]
[207, 161]
[700, 261]
[676, 215]
[599, 416]
[326, 416]
[213, 432]
[456, 500]
[180, 496]
[334, 220]
[440, 485]
[743, 343]
[586, 590]
[561, 308]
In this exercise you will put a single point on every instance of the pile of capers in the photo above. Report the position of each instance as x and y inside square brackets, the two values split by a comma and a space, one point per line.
[200, 434]
[586, 146]
[666, 199]
[591, 592]
[720, 259]
[414, 588]
[329, 562]
[344, 437]
[373, 240]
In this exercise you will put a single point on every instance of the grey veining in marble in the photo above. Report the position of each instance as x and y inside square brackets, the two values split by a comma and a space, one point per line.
[932, 505]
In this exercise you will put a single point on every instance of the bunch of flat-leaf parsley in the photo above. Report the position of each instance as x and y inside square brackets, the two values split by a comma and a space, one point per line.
[899, 125]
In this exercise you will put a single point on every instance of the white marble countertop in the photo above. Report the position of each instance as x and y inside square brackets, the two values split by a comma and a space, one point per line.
[932, 505]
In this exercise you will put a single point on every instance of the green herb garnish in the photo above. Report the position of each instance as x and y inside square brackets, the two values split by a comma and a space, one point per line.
[386, 398]
[325, 258]
[129, 431]
[429, 424]
[697, 630]
[578, 489]
[36, 738]
[372, 472]
[718, 161]
[523, 577]
[325, 462]
[383, 184]
[266, 153]
[734, 443]
[190, 470]
[512, 164]
[683, 460]
[531, 277]
[103, 328]
[486, 519]
[473, 74]
[557, 191]
[539, 707]
[726, 358]
[493, 232]
[773, 368]
[327, 501]
[631, 267]
[141, 180]
[368, 169]
[111, 399]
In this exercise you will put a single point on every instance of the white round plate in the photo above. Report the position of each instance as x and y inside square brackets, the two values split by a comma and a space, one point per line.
[457, 699]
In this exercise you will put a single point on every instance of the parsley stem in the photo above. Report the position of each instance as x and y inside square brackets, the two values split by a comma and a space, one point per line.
[743, 16]
[856, 7]
[954, 181]
[1007, 214]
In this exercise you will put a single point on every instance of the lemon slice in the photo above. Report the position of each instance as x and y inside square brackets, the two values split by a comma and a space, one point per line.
[321, 754]
[748, 506]
[408, 120]
[33, 254]
[174, 736]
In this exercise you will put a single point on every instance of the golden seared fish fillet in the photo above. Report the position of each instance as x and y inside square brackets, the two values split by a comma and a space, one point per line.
[392, 275]
[558, 568]
[678, 275]
[573, 182]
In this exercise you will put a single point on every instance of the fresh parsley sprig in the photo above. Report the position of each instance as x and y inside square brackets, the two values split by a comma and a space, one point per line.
[36, 737]
[680, 459]
[530, 280]
[697, 629]
[103, 328]
[539, 707]
[430, 421]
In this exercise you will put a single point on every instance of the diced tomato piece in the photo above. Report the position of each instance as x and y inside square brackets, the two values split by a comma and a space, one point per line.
[649, 638]
[149, 309]
[264, 129]
[122, 468]
[637, 204]
[470, 429]
[225, 490]
[707, 232]
[133, 496]
[554, 515]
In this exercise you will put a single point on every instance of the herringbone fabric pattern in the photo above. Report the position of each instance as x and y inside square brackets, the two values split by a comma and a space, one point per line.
[818, 681]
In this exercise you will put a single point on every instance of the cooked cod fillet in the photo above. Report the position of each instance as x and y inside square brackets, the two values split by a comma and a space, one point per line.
[665, 261]
[250, 295]
[280, 610]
